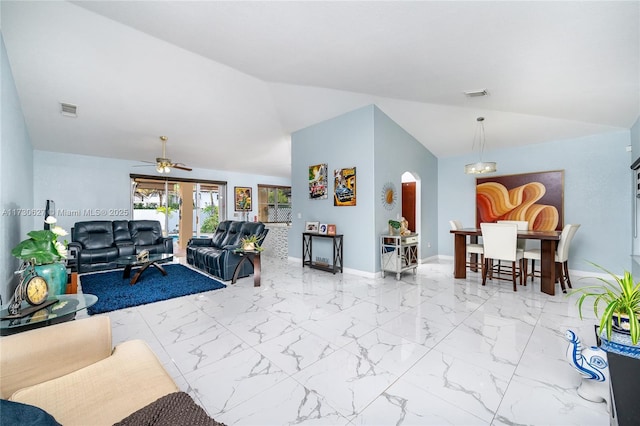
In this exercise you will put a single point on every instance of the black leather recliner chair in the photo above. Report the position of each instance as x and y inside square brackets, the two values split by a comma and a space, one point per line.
[98, 243]
[216, 255]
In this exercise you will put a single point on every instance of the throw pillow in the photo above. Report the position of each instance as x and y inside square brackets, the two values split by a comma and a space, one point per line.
[19, 414]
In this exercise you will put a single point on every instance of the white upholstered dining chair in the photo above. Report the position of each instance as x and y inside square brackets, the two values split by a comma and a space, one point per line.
[500, 242]
[522, 225]
[472, 249]
[561, 257]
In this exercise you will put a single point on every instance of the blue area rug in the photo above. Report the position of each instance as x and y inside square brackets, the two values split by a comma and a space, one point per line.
[115, 292]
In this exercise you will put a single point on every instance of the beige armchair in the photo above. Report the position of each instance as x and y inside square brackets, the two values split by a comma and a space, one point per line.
[71, 371]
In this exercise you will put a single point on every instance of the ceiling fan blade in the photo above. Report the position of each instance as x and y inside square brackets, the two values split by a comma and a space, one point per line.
[181, 167]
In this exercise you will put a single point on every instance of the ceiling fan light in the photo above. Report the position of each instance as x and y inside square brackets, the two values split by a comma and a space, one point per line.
[159, 168]
[167, 169]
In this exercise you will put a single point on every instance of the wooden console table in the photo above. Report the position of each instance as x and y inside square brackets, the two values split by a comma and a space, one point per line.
[307, 252]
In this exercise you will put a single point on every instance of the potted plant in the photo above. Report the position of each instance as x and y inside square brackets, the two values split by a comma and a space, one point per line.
[621, 299]
[46, 253]
[394, 227]
[251, 242]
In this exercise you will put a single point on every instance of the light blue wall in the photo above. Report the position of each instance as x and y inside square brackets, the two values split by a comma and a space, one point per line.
[342, 142]
[79, 182]
[635, 139]
[635, 203]
[381, 151]
[596, 193]
[396, 152]
[16, 171]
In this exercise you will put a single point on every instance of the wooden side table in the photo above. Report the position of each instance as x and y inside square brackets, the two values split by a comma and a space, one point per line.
[254, 257]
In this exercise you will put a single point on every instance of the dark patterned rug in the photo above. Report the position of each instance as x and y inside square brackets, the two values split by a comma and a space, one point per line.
[115, 292]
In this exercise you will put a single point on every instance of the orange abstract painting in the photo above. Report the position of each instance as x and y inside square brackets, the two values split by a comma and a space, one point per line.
[534, 197]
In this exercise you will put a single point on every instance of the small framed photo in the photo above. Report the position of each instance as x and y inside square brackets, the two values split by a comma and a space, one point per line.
[331, 229]
[311, 227]
[323, 229]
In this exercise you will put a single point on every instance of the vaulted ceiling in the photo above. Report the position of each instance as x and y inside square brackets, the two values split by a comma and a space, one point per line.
[228, 82]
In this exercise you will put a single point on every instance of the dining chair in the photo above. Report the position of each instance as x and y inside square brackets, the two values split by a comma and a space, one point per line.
[472, 249]
[561, 257]
[522, 225]
[500, 242]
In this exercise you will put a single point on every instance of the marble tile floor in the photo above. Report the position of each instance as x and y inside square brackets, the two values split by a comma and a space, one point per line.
[312, 348]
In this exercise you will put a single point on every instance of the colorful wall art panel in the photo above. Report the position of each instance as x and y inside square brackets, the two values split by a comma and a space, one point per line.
[345, 187]
[242, 198]
[318, 181]
[535, 197]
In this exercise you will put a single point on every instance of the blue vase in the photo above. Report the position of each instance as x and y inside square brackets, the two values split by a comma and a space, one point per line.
[56, 276]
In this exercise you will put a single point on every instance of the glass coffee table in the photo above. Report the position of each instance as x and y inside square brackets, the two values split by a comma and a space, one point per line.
[55, 310]
[132, 261]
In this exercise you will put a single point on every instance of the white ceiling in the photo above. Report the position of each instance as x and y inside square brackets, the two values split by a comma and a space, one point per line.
[228, 82]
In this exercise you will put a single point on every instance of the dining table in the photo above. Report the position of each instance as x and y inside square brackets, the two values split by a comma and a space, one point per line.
[548, 243]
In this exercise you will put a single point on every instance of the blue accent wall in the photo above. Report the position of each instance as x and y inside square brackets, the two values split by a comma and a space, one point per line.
[381, 151]
[596, 193]
[16, 171]
[397, 152]
[341, 142]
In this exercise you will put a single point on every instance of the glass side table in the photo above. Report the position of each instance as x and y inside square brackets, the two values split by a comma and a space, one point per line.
[63, 310]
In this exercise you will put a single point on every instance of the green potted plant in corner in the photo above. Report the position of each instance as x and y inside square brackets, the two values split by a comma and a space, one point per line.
[43, 249]
[619, 332]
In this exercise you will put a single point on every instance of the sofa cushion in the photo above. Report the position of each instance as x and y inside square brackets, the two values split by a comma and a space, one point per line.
[145, 232]
[99, 255]
[220, 234]
[18, 414]
[105, 392]
[121, 232]
[233, 234]
[95, 234]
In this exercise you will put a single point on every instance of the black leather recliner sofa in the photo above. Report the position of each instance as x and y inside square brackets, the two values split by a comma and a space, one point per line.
[216, 255]
[98, 243]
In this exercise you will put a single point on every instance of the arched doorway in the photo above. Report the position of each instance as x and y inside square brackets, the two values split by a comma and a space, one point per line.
[411, 200]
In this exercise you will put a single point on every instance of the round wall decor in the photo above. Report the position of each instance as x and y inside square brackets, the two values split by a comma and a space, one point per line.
[389, 195]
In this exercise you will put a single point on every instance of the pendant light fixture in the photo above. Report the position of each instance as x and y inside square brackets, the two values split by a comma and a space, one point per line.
[481, 166]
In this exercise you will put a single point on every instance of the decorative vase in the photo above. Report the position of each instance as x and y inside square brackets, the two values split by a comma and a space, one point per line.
[249, 247]
[591, 363]
[621, 323]
[56, 276]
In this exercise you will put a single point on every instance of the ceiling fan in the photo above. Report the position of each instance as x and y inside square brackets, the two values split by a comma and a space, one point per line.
[164, 164]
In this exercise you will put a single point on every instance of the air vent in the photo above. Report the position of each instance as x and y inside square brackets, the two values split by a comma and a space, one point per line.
[69, 110]
[476, 93]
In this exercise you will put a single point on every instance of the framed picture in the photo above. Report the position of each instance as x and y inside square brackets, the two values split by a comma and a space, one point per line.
[242, 198]
[318, 181]
[323, 229]
[311, 227]
[345, 187]
[331, 229]
[535, 197]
